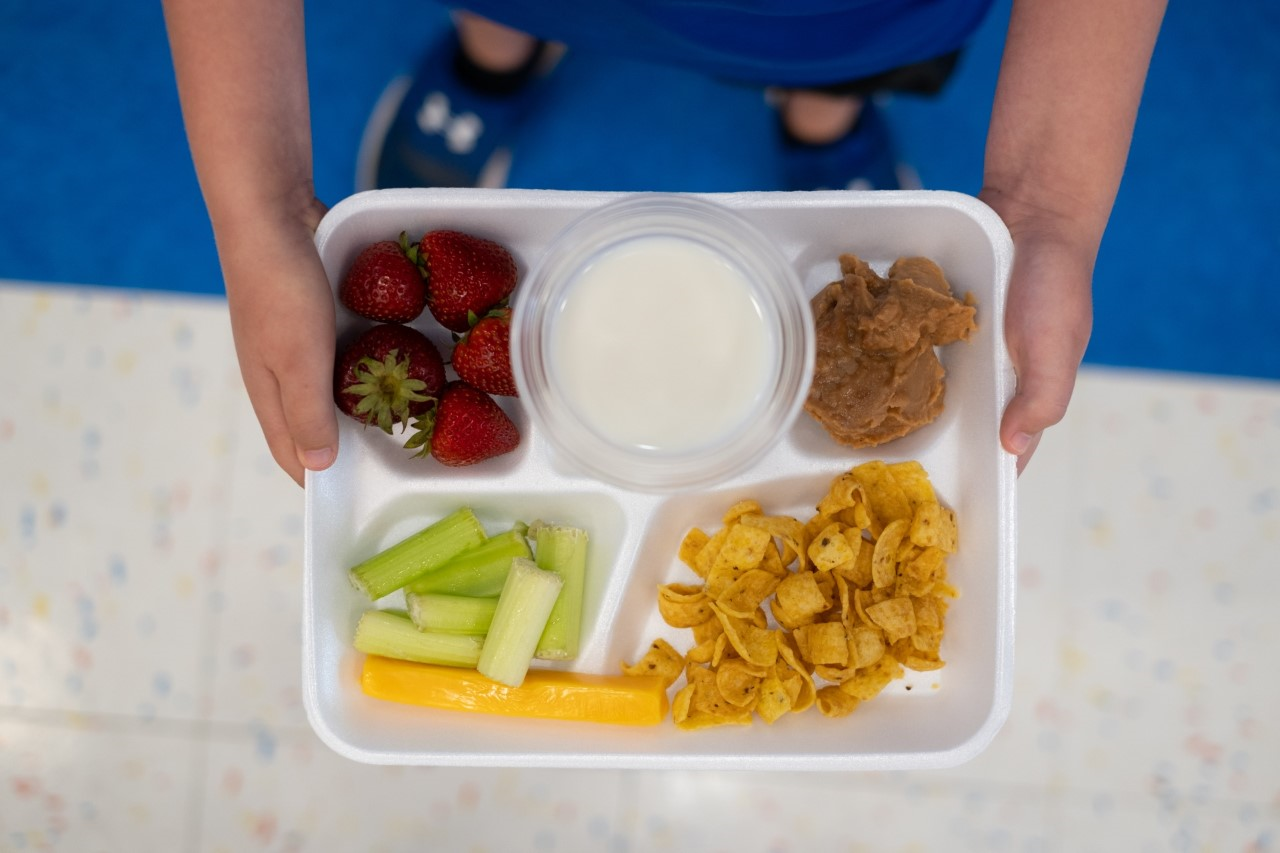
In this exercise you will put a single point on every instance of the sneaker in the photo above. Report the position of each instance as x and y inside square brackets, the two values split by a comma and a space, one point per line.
[862, 159]
[433, 129]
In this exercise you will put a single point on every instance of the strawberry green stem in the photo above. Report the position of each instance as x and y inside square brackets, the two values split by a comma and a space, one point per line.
[386, 391]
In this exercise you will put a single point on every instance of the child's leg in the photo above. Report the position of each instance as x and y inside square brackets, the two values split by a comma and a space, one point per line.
[817, 118]
[492, 46]
[834, 137]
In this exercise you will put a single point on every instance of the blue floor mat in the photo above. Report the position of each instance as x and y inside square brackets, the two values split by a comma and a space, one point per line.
[96, 186]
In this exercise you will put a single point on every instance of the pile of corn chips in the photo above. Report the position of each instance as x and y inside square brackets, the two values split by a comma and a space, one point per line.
[855, 594]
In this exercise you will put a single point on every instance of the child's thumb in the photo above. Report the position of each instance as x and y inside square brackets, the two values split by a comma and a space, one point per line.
[313, 426]
[1039, 403]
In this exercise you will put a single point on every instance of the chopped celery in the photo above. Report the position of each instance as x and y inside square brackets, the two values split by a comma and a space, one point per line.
[479, 571]
[562, 550]
[523, 607]
[393, 635]
[425, 550]
[451, 614]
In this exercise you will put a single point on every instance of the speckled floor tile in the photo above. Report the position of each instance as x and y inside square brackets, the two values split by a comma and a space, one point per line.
[74, 783]
[289, 792]
[257, 618]
[1167, 681]
[793, 813]
[1162, 821]
[114, 443]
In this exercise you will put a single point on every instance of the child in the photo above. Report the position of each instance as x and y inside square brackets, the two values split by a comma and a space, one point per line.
[1067, 96]
[448, 125]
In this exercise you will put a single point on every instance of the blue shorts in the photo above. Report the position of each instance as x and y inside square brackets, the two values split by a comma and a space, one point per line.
[791, 43]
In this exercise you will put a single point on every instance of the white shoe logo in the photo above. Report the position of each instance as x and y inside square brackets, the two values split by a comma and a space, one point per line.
[461, 132]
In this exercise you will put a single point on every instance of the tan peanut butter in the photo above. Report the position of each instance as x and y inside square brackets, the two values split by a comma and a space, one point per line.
[877, 376]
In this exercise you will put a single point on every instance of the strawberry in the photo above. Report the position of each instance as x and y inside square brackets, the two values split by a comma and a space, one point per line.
[465, 275]
[464, 427]
[482, 357]
[384, 283]
[387, 376]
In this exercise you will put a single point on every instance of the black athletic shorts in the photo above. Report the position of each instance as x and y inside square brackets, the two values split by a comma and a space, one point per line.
[919, 78]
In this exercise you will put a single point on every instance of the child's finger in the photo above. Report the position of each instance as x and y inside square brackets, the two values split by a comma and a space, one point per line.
[264, 395]
[1039, 403]
[1047, 323]
[307, 405]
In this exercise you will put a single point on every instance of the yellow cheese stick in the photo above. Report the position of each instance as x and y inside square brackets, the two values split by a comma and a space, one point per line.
[621, 699]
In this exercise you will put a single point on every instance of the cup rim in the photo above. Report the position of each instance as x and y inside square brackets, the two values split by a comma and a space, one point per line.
[775, 285]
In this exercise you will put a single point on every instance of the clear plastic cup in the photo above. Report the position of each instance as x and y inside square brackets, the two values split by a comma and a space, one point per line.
[717, 388]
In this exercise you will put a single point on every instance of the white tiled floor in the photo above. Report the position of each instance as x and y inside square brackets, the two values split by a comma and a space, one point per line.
[150, 563]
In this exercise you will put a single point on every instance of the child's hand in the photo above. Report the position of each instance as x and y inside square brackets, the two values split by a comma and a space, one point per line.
[282, 315]
[1056, 147]
[1048, 318]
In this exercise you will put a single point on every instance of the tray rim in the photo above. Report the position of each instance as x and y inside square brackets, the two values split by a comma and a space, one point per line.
[1005, 512]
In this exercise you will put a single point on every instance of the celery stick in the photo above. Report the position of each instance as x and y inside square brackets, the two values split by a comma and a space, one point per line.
[425, 550]
[563, 550]
[393, 635]
[479, 571]
[523, 607]
[451, 614]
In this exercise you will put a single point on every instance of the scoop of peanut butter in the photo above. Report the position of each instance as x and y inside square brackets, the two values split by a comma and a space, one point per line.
[877, 376]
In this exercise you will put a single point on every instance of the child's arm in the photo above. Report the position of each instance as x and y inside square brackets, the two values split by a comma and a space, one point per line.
[1065, 105]
[242, 78]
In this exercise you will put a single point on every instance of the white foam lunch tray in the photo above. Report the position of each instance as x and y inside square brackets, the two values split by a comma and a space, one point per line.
[376, 493]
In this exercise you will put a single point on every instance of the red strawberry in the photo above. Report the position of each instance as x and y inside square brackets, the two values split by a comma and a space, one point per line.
[385, 283]
[465, 427]
[482, 357]
[387, 376]
[465, 275]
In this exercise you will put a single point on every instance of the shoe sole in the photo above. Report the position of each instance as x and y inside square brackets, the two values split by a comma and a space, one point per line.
[375, 132]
